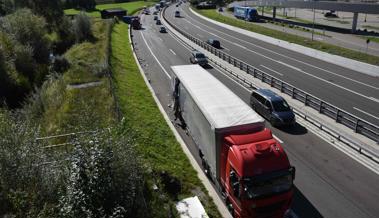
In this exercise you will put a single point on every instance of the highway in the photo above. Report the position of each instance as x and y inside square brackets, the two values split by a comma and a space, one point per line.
[352, 91]
[328, 183]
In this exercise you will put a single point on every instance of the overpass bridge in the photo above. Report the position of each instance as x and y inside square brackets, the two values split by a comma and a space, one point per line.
[356, 7]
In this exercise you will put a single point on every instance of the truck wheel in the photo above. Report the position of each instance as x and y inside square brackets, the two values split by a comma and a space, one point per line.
[229, 205]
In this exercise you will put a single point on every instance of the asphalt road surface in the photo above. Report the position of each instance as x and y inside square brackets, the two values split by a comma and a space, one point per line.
[328, 183]
[352, 91]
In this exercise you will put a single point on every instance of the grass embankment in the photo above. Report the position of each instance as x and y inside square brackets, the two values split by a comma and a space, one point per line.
[155, 141]
[325, 47]
[131, 7]
[75, 108]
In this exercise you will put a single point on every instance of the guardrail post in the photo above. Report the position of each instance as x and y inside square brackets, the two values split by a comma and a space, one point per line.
[241, 66]
[306, 99]
[337, 115]
[356, 126]
[293, 92]
[263, 77]
[281, 86]
[271, 82]
[247, 69]
[255, 73]
[320, 109]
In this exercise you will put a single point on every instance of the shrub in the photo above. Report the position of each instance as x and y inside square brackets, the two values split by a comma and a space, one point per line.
[82, 27]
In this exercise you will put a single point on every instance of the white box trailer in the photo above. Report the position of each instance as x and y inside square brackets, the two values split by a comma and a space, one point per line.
[211, 111]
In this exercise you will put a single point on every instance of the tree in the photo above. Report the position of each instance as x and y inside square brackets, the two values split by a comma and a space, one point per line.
[82, 27]
[29, 30]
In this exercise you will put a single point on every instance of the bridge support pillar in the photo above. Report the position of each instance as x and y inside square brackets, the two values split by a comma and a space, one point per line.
[355, 19]
[273, 13]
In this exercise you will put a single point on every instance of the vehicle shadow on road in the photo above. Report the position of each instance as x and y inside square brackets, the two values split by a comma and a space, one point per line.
[296, 129]
[302, 207]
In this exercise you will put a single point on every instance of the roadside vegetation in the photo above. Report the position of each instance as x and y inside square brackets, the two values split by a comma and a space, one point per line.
[69, 147]
[161, 153]
[332, 49]
[131, 8]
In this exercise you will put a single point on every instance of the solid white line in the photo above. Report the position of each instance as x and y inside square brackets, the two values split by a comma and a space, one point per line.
[270, 70]
[159, 63]
[239, 45]
[374, 99]
[366, 113]
[278, 139]
[172, 51]
[284, 56]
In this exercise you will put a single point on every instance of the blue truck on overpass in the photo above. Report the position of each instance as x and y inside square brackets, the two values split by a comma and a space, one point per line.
[246, 13]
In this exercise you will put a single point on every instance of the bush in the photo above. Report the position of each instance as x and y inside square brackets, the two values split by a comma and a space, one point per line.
[105, 179]
[60, 64]
[28, 29]
[82, 27]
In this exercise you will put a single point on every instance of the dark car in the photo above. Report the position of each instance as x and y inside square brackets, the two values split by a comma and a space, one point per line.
[220, 9]
[155, 12]
[162, 29]
[272, 107]
[214, 42]
[158, 22]
[330, 14]
[155, 17]
[177, 13]
[198, 58]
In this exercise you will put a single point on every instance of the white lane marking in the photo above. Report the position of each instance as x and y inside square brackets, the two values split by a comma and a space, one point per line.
[172, 51]
[271, 70]
[240, 45]
[278, 139]
[374, 99]
[366, 113]
[284, 56]
[159, 63]
[160, 39]
[290, 66]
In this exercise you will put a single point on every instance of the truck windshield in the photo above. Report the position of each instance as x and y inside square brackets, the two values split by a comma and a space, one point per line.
[281, 106]
[268, 184]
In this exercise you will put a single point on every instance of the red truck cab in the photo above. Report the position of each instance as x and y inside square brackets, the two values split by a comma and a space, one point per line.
[256, 175]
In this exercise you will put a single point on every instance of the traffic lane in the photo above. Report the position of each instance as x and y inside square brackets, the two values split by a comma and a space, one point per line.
[363, 106]
[317, 68]
[325, 176]
[274, 51]
[316, 184]
[156, 77]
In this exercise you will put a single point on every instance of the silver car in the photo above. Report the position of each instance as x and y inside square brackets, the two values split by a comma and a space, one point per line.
[198, 58]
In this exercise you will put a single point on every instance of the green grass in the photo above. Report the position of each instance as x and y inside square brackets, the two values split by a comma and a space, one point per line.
[155, 141]
[86, 108]
[131, 7]
[325, 47]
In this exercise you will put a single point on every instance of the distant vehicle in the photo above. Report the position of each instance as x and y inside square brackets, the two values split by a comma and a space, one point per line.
[136, 24]
[157, 6]
[158, 22]
[162, 4]
[272, 107]
[177, 13]
[128, 19]
[198, 58]
[246, 13]
[155, 12]
[214, 42]
[331, 14]
[220, 9]
[147, 12]
[246, 163]
[163, 29]
[177, 5]
[155, 17]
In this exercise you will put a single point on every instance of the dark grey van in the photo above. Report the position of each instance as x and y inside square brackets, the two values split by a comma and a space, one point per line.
[272, 107]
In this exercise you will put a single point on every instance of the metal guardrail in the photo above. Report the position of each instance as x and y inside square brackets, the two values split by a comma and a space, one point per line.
[359, 126]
